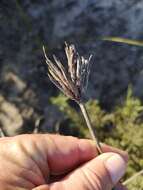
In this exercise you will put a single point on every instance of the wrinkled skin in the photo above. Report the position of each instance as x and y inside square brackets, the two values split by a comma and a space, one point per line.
[51, 162]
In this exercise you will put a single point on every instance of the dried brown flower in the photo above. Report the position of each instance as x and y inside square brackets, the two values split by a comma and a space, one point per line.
[73, 81]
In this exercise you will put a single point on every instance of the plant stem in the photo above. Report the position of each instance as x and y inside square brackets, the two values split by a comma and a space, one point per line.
[133, 177]
[89, 125]
[91, 130]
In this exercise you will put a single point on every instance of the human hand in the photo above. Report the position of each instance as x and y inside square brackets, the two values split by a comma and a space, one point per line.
[54, 162]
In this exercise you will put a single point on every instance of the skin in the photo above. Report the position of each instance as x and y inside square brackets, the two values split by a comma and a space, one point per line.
[53, 162]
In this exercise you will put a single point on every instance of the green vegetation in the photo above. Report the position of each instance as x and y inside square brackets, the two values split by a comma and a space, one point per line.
[123, 128]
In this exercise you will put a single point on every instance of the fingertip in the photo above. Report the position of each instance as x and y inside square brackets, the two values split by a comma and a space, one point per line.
[116, 167]
[108, 167]
[107, 148]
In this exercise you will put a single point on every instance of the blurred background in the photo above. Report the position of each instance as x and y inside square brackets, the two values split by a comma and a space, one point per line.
[30, 103]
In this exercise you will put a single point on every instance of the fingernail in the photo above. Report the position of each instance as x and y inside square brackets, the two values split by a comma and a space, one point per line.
[116, 167]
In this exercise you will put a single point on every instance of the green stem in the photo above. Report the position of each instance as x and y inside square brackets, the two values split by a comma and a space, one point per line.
[89, 125]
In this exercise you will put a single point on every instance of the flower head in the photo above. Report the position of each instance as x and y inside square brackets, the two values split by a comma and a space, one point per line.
[72, 81]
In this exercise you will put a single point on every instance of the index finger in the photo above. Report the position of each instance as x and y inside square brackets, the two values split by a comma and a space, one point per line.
[64, 153]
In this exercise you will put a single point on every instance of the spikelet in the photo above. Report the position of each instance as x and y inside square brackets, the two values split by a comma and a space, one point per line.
[72, 81]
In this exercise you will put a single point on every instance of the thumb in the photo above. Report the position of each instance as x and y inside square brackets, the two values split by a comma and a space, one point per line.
[100, 173]
[103, 172]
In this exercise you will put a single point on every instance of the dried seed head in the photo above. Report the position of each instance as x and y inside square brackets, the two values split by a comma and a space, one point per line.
[72, 82]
